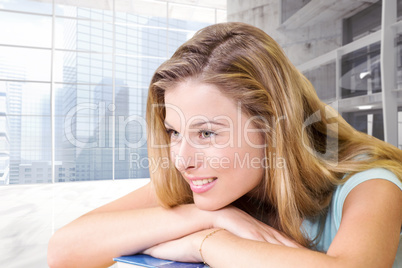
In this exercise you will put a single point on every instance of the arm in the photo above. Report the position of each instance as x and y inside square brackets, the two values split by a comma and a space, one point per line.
[368, 237]
[125, 226]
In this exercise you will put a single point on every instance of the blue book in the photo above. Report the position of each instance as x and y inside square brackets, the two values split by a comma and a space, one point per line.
[142, 260]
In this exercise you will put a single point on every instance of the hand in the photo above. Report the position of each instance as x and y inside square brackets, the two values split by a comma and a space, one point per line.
[245, 226]
[185, 249]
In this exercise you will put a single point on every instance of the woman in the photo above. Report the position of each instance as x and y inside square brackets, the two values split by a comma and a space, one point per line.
[260, 172]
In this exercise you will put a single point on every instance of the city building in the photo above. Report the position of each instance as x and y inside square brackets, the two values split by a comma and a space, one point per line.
[10, 127]
[350, 53]
[77, 86]
[4, 137]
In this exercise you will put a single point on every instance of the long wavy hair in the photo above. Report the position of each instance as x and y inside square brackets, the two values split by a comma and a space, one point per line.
[320, 149]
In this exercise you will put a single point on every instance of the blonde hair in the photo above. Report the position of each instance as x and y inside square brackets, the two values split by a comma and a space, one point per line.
[248, 66]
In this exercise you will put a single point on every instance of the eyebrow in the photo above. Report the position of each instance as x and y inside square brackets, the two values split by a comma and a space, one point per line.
[201, 124]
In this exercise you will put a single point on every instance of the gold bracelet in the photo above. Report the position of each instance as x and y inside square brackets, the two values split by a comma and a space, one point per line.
[208, 235]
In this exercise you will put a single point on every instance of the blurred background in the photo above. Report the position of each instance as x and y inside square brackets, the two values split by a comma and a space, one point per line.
[74, 77]
[74, 74]
[71, 75]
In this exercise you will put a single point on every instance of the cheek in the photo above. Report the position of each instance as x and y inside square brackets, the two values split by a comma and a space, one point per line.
[224, 156]
[223, 140]
[225, 161]
[174, 150]
[245, 157]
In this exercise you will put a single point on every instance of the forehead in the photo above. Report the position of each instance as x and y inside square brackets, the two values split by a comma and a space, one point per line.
[194, 98]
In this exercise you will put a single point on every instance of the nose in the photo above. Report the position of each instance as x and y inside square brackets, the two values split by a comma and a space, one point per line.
[184, 155]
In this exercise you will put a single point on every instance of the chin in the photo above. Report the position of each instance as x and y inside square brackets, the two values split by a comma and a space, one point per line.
[209, 205]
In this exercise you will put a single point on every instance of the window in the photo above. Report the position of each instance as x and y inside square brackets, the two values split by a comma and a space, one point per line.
[400, 127]
[398, 44]
[290, 7]
[370, 122]
[323, 80]
[359, 90]
[362, 23]
[361, 72]
[102, 64]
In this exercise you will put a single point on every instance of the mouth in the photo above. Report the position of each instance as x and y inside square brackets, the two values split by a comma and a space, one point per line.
[202, 181]
[202, 185]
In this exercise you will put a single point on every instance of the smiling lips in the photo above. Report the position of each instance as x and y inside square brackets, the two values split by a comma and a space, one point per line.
[202, 182]
[202, 185]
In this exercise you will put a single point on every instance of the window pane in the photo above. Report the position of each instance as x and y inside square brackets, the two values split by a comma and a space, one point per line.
[398, 49]
[130, 117]
[176, 38]
[80, 67]
[361, 72]
[142, 12]
[77, 164]
[84, 35]
[26, 30]
[24, 64]
[130, 135]
[323, 80]
[80, 116]
[134, 164]
[4, 136]
[148, 67]
[27, 6]
[93, 59]
[141, 41]
[370, 122]
[399, 9]
[28, 130]
[290, 7]
[83, 139]
[190, 17]
[4, 170]
[136, 72]
[400, 128]
[362, 23]
[221, 16]
[93, 10]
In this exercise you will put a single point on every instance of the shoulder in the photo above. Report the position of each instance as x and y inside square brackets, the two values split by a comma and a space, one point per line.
[380, 175]
[369, 216]
[370, 193]
[370, 174]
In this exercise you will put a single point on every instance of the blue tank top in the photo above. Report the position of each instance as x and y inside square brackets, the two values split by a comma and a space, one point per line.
[334, 215]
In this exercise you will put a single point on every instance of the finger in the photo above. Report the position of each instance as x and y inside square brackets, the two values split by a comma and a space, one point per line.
[285, 240]
[273, 236]
[148, 251]
[270, 238]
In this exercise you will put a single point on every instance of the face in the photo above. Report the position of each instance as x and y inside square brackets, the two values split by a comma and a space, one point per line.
[214, 145]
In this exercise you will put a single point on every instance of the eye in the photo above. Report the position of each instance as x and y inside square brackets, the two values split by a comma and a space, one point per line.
[205, 134]
[173, 133]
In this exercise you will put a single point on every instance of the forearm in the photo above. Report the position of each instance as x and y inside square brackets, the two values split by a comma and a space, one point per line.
[218, 251]
[94, 239]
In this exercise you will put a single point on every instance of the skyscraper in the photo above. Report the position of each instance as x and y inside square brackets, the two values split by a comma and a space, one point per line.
[12, 91]
[4, 136]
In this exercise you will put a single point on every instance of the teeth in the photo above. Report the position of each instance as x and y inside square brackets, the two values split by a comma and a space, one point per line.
[202, 182]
